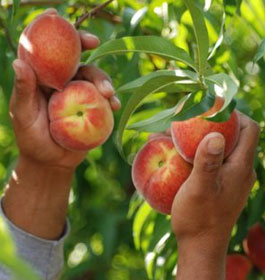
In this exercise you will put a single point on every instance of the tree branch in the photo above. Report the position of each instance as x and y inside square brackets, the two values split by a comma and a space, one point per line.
[8, 37]
[92, 13]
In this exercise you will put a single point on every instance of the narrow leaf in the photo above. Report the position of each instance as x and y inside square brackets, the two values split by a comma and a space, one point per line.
[138, 223]
[201, 35]
[146, 44]
[194, 107]
[162, 121]
[136, 84]
[16, 4]
[220, 38]
[222, 84]
[260, 52]
[154, 85]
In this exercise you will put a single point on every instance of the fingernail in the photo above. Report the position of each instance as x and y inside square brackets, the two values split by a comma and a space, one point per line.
[115, 103]
[106, 86]
[17, 66]
[216, 145]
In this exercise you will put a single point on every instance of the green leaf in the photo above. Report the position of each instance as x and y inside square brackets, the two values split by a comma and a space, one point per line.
[139, 221]
[136, 18]
[197, 104]
[256, 207]
[135, 203]
[162, 121]
[9, 258]
[16, 4]
[146, 44]
[220, 38]
[222, 84]
[136, 84]
[201, 34]
[154, 85]
[260, 52]
[232, 6]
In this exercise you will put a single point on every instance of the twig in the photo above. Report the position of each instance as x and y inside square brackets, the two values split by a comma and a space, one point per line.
[8, 37]
[91, 13]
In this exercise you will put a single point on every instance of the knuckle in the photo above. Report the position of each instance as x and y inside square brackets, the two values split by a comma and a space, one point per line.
[210, 166]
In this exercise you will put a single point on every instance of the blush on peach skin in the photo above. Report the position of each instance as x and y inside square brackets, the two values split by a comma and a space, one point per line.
[80, 117]
[52, 47]
[188, 134]
[158, 172]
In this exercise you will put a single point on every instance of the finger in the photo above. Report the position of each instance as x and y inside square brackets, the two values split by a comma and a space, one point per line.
[248, 140]
[25, 99]
[115, 103]
[88, 41]
[208, 160]
[100, 79]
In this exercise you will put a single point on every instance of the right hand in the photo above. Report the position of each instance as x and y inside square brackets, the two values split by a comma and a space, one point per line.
[209, 203]
[29, 112]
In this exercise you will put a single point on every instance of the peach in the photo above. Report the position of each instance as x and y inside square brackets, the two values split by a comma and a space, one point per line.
[80, 117]
[188, 134]
[254, 246]
[158, 172]
[237, 267]
[52, 47]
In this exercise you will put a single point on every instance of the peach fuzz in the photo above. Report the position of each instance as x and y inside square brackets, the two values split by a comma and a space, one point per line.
[80, 117]
[188, 134]
[158, 172]
[254, 246]
[237, 267]
[52, 47]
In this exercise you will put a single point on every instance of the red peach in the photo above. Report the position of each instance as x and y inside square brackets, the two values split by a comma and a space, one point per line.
[80, 117]
[254, 246]
[158, 172]
[52, 47]
[237, 267]
[188, 134]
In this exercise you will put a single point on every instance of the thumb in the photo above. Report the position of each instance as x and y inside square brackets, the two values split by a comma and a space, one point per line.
[25, 99]
[208, 159]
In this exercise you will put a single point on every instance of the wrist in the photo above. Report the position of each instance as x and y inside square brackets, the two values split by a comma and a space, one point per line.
[36, 198]
[44, 167]
[202, 258]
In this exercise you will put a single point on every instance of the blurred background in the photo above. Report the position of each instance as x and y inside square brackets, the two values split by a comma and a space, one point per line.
[115, 236]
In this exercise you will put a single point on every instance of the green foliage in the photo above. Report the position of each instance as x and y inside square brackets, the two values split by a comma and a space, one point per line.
[9, 258]
[167, 54]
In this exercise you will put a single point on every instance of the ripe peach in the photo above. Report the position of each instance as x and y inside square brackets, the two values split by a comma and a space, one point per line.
[80, 117]
[52, 47]
[254, 246]
[158, 172]
[188, 134]
[237, 267]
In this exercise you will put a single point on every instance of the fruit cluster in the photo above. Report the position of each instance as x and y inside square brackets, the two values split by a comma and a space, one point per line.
[239, 266]
[164, 163]
[80, 117]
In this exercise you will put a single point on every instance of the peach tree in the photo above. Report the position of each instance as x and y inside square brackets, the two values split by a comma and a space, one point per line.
[159, 53]
[193, 75]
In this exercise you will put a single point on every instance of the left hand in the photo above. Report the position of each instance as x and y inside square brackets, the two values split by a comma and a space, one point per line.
[29, 111]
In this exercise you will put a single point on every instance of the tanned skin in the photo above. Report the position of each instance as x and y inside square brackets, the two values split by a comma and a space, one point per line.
[204, 211]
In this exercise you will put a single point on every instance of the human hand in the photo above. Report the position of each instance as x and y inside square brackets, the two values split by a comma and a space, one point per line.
[208, 204]
[29, 113]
